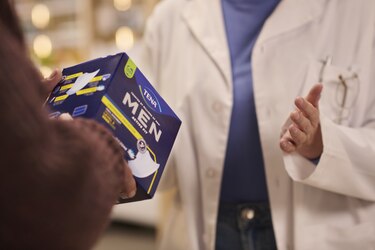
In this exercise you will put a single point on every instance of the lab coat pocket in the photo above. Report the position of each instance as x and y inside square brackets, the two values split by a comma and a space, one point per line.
[349, 237]
[340, 90]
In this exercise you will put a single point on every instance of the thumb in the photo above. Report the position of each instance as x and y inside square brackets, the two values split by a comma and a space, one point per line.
[65, 117]
[51, 81]
[314, 94]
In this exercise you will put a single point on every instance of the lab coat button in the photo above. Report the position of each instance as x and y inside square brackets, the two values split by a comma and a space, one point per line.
[247, 214]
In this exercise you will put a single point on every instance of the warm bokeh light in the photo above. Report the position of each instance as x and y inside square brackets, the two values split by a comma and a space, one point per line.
[124, 38]
[42, 46]
[122, 5]
[40, 16]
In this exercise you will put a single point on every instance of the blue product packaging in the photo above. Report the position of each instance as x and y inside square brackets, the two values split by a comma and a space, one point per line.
[115, 93]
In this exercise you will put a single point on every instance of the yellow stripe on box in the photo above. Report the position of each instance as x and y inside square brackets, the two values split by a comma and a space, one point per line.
[156, 172]
[122, 118]
[96, 79]
[132, 130]
[152, 182]
[68, 86]
[87, 91]
[73, 76]
[60, 98]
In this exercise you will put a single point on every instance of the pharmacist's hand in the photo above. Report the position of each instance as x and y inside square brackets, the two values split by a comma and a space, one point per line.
[50, 82]
[302, 134]
[129, 187]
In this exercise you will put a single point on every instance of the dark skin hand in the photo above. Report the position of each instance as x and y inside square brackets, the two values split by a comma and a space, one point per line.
[129, 187]
[51, 81]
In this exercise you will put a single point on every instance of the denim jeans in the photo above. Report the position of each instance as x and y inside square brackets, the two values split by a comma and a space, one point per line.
[246, 226]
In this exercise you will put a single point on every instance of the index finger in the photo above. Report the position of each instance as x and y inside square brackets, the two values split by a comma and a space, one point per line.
[309, 110]
[313, 96]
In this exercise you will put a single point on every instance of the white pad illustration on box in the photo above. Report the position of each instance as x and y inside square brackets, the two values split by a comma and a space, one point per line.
[81, 82]
[143, 165]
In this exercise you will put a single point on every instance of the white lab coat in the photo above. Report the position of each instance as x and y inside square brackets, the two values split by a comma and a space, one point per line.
[328, 206]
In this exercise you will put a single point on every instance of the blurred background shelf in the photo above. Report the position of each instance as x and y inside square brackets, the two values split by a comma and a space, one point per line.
[64, 33]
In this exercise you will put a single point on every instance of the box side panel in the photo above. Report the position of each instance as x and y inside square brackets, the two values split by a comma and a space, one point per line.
[93, 78]
[117, 95]
[142, 121]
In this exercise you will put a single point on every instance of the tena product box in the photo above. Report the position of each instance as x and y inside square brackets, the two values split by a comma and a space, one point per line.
[114, 92]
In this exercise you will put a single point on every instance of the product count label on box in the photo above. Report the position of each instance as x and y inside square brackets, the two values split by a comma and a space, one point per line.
[114, 92]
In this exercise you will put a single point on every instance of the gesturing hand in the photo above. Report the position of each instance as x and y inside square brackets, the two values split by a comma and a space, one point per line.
[302, 133]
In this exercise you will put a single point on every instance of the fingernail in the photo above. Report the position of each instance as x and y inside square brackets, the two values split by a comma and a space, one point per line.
[132, 193]
[65, 117]
[299, 101]
[296, 115]
[123, 196]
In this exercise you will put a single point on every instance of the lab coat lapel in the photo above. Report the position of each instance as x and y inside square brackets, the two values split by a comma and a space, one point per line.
[205, 20]
[290, 15]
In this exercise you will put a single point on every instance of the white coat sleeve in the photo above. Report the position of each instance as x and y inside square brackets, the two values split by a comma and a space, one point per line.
[147, 55]
[347, 165]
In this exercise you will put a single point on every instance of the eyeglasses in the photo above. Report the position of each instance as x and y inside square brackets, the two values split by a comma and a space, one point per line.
[346, 91]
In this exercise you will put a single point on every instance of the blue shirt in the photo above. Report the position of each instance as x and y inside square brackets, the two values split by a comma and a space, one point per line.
[244, 176]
